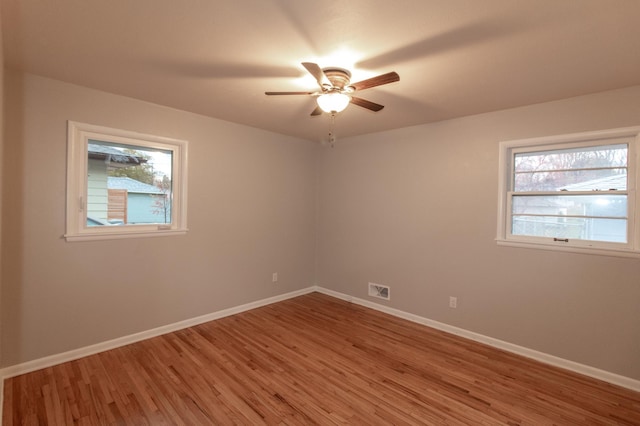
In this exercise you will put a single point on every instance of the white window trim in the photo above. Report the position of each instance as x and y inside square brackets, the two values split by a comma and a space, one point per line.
[631, 249]
[77, 144]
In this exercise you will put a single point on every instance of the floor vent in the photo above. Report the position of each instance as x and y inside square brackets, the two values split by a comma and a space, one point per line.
[379, 291]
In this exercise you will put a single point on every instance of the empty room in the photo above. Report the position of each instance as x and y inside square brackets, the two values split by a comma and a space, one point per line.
[287, 212]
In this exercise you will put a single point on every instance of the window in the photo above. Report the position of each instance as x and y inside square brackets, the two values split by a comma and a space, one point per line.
[122, 184]
[573, 192]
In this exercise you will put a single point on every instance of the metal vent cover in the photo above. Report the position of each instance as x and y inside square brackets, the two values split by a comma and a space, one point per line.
[380, 291]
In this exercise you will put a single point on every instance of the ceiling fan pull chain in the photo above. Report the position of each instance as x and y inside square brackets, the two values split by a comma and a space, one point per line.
[332, 136]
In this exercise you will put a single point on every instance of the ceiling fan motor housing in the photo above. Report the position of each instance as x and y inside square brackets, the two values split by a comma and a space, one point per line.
[339, 77]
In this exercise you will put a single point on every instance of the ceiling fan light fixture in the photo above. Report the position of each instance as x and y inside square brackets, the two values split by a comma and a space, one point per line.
[333, 102]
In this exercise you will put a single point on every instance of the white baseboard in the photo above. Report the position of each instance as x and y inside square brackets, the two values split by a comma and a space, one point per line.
[52, 360]
[37, 364]
[586, 370]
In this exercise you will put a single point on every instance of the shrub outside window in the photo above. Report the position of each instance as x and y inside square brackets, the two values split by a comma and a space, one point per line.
[573, 192]
[122, 184]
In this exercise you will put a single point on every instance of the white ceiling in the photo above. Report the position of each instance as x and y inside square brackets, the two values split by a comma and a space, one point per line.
[217, 58]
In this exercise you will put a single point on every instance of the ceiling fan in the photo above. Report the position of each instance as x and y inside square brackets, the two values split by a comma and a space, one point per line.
[336, 90]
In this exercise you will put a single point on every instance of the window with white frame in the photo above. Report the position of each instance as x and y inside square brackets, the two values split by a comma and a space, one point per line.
[573, 192]
[122, 184]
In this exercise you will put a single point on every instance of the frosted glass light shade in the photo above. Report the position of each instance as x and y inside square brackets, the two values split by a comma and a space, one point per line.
[333, 102]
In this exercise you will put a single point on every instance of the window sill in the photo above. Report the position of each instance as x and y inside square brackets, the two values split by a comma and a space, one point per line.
[570, 249]
[97, 236]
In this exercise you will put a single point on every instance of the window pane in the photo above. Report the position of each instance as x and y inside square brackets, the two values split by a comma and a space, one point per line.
[590, 229]
[597, 167]
[573, 180]
[597, 205]
[128, 184]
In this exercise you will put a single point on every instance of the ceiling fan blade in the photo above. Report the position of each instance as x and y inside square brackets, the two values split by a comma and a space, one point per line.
[316, 71]
[317, 111]
[387, 78]
[366, 104]
[288, 93]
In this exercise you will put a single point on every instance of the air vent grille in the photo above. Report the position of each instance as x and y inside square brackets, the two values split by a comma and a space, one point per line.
[380, 291]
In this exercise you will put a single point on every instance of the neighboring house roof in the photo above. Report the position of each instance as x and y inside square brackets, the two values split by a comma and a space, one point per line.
[131, 185]
[102, 152]
[602, 184]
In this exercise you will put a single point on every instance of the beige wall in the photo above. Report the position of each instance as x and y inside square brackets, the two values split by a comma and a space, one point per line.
[251, 212]
[416, 209]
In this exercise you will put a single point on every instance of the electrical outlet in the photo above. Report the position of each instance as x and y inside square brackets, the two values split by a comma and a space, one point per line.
[453, 302]
[274, 277]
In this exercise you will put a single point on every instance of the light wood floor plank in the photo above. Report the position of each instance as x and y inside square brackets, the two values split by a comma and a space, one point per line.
[312, 360]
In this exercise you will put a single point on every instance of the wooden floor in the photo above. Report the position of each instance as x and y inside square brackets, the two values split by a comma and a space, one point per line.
[312, 360]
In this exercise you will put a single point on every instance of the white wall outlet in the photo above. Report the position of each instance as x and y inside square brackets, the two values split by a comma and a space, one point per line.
[274, 277]
[453, 302]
